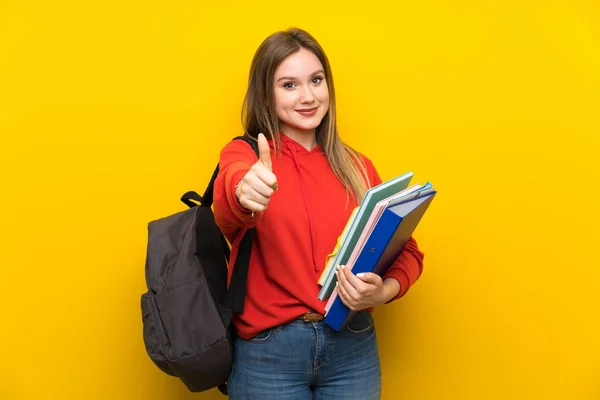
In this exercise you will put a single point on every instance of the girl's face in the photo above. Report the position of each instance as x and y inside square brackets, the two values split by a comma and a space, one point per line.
[301, 93]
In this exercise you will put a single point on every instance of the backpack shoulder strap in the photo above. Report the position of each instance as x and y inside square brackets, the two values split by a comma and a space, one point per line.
[236, 293]
[251, 141]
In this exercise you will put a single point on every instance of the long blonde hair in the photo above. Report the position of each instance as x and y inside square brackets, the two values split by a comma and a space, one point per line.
[259, 116]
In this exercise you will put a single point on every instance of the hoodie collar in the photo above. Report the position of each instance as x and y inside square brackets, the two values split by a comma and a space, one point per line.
[296, 147]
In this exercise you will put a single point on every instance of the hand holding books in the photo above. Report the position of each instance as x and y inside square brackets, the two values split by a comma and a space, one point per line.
[363, 290]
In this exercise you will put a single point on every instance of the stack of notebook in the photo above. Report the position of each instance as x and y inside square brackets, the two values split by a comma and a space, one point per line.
[374, 236]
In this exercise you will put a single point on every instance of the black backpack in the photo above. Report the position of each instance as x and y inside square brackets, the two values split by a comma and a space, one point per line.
[187, 310]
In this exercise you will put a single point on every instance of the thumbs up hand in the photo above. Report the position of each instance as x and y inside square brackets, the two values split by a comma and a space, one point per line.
[258, 185]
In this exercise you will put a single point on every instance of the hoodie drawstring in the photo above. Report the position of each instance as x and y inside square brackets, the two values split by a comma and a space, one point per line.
[311, 225]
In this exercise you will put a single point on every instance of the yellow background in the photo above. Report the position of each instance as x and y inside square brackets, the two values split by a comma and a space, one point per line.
[110, 110]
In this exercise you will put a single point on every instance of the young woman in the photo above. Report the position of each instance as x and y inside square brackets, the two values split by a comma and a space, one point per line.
[299, 193]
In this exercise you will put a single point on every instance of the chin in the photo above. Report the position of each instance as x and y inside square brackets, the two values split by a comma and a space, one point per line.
[307, 125]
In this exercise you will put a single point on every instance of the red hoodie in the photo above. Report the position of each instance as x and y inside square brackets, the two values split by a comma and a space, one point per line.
[294, 235]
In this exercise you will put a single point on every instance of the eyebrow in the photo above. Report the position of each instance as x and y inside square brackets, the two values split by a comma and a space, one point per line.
[291, 78]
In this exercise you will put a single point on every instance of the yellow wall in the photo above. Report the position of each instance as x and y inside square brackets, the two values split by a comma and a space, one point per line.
[111, 110]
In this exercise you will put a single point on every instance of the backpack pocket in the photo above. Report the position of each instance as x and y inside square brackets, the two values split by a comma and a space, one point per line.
[155, 338]
[191, 319]
[198, 347]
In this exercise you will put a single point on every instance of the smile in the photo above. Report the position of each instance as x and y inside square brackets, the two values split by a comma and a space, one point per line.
[309, 112]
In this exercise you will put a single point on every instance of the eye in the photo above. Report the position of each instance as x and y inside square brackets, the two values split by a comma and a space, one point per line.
[288, 85]
[317, 79]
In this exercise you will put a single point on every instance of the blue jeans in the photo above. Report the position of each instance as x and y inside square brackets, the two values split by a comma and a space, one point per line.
[308, 360]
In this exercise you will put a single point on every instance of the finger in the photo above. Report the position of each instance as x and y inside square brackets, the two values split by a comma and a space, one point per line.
[248, 193]
[252, 205]
[342, 295]
[255, 197]
[267, 177]
[264, 151]
[260, 187]
[253, 183]
[356, 283]
[369, 277]
[351, 292]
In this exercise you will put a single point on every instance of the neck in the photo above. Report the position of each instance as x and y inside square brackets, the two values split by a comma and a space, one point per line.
[307, 139]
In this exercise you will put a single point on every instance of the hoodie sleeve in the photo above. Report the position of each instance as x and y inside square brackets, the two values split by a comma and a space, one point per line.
[408, 266]
[236, 159]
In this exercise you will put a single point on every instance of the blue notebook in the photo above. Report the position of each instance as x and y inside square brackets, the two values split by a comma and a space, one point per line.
[395, 226]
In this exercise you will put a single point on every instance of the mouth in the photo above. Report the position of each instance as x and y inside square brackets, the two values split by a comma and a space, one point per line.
[308, 112]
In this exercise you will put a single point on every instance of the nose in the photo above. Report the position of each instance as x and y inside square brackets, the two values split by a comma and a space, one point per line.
[307, 96]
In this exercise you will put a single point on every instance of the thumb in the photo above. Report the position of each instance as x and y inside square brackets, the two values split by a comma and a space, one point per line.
[369, 277]
[264, 151]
